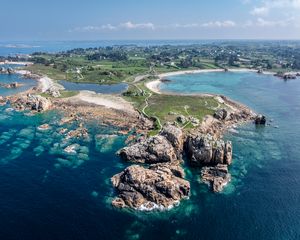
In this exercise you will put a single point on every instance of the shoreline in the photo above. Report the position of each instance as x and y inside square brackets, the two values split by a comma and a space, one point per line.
[154, 85]
[15, 63]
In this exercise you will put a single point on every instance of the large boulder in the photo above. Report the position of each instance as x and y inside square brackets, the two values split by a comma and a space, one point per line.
[155, 149]
[174, 135]
[39, 103]
[216, 177]
[160, 186]
[221, 114]
[32, 102]
[260, 120]
[204, 150]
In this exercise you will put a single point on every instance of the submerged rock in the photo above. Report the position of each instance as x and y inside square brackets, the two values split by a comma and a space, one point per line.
[260, 120]
[204, 150]
[160, 186]
[216, 177]
[155, 149]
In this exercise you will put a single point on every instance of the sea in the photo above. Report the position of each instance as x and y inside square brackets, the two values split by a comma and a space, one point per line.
[48, 193]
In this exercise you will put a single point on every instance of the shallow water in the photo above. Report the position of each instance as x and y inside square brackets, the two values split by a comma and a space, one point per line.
[106, 89]
[48, 194]
[5, 79]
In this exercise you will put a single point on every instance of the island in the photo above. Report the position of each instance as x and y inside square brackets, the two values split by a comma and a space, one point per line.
[163, 129]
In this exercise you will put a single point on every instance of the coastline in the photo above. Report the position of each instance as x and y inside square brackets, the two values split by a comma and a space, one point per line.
[16, 63]
[154, 85]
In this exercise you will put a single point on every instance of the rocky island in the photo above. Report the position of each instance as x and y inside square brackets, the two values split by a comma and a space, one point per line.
[164, 130]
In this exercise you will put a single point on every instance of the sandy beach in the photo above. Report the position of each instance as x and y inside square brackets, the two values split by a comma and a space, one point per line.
[109, 101]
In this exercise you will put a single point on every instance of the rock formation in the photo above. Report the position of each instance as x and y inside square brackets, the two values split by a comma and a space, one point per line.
[204, 150]
[174, 135]
[32, 102]
[216, 177]
[155, 149]
[221, 114]
[260, 120]
[160, 186]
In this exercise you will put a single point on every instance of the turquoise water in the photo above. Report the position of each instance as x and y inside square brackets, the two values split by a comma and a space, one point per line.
[5, 79]
[113, 88]
[49, 194]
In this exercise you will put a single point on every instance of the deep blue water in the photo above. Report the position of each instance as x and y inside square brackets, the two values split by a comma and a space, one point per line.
[113, 88]
[49, 194]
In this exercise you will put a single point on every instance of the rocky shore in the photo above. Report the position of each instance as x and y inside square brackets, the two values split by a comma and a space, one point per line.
[139, 186]
[156, 180]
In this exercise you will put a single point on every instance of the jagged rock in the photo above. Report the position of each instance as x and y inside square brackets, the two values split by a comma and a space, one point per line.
[289, 76]
[2, 101]
[174, 135]
[152, 150]
[260, 120]
[10, 70]
[216, 177]
[221, 114]
[32, 102]
[181, 119]
[204, 150]
[39, 103]
[160, 186]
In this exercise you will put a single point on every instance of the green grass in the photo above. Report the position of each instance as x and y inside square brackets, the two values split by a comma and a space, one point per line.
[168, 107]
[51, 72]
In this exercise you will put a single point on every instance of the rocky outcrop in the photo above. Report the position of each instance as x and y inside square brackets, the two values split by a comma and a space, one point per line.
[221, 114]
[216, 177]
[161, 186]
[181, 119]
[11, 85]
[204, 150]
[2, 101]
[6, 70]
[174, 135]
[260, 120]
[32, 102]
[155, 149]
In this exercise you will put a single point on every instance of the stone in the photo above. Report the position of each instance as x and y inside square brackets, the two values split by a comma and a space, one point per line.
[156, 187]
[32, 102]
[221, 114]
[204, 150]
[260, 120]
[155, 149]
[194, 121]
[174, 135]
[217, 177]
[181, 119]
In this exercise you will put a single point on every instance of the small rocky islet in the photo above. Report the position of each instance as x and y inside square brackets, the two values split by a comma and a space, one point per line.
[160, 184]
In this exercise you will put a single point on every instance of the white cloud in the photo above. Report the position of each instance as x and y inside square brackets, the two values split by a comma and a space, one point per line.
[108, 27]
[227, 23]
[130, 25]
[260, 11]
[268, 23]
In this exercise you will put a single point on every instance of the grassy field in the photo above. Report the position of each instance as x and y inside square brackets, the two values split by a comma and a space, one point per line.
[167, 108]
[64, 94]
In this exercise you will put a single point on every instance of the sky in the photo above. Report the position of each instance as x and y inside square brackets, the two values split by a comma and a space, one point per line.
[149, 19]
